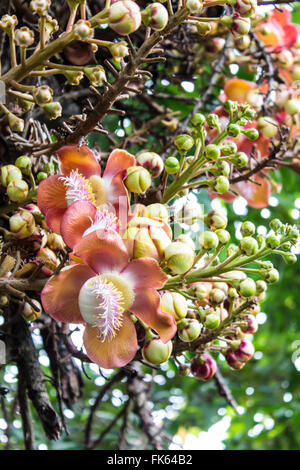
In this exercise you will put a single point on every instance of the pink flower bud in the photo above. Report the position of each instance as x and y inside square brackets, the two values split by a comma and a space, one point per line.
[240, 353]
[151, 161]
[22, 224]
[240, 25]
[246, 8]
[203, 367]
[124, 17]
[250, 324]
[29, 313]
[156, 16]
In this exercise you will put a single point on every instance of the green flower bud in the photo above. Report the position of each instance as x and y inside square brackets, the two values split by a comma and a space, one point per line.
[248, 112]
[174, 304]
[272, 241]
[275, 225]
[188, 329]
[22, 224]
[48, 257]
[17, 191]
[223, 236]
[155, 351]
[194, 6]
[240, 25]
[198, 120]
[55, 241]
[183, 142]
[247, 288]
[24, 164]
[73, 77]
[242, 121]
[292, 107]
[83, 30]
[271, 276]
[156, 16]
[217, 296]
[156, 211]
[10, 174]
[4, 301]
[267, 126]
[290, 258]
[221, 169]
[229, 148]
[251, 134]
[232, 250]
[216, 220]
[249, 246]
[208, 240]
[229, 105]
[233, 293]
[43, 95]
[247, 229]
[40, 6]
[240, 159]
[16, 124]
[221, 184]
[212, 152]
[184, 238]
[53, 110]
[293, 234]
[261, 286]
[41, 176]
[212, 321]
[138, 179]
[172, 165]
[180, 257]
[213, 120]
[203, 28]
[97, 75]
[233, 130]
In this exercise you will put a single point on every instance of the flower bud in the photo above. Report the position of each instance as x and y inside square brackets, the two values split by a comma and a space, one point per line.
[10, 174]
[203, 367]
[213, 119]
[217, 296]
[73, 77]
[249, 246]
[29, 313]
[198, 120]
[247, 229]
[188, 329]
[223, 236]
[17, 191]
[240, 159]
[240, 25]
[221, 184]
[82, 30]
[138, 179]
[155, 351]
[172, 165]
[183, 370]
[267, 126]
[290, 258]
[216, 220]
[41, 176]
[229, 148]
[233, 293]
[4, 301]
[156, 211]
[40, 6]
[232, 250]
[251, 134]
[200, 290]
[180, 257]
[292, 107]
[246, 8]
[272, 241]
[7, 22]
[22, 224]
[208, 240]
[16, 124]
[183, 142]
[152, 162]
[156, 16]
[212, 152]
[194, 6]
[203, 28]
[147, 238]
[250, 324]
[275, 225]
[24, 164]
[212, 321]
[284, 59]
[233, 130]
[48, 257]
[247, 288]
[55, 241]
[184, 238]
[174, 304]
[233, 361]
[43, 95]
[96, 75]
[53, 110]
[243, 42]
[271, 276]
[24, 37]
[261, 286]
[124, 17]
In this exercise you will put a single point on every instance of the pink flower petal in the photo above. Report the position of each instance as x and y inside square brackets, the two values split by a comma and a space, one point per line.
[51, 193]
[60, 294]
[76, 220]
[118, 160]
[257, 195]
[115, 353]
[72, 157]
[146, 306]
[145, 272]
[53, 218]
[103, 251]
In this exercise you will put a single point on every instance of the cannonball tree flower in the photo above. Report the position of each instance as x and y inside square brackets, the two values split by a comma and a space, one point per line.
[278, 32]
[101, 290]
[80, 180]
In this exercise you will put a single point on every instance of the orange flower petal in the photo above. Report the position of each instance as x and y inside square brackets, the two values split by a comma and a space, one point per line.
[53, 218]
[145, 272]
[102, 250]
[60, 294]
[76, 220]
[115, 353]
[118, 160]
[72, 157]
[146, 306]
[236, 89]
[51, 193]
[257, 195]
[117, 197]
